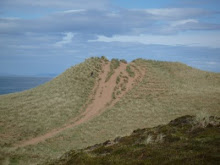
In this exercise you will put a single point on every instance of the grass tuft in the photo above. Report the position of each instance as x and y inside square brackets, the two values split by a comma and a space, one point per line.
[123, 61]
[148, 140]
[130, 72]
[115, 63]
[118, 80]
[203, 119]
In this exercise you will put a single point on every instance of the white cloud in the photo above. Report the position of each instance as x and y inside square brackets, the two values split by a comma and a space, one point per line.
[85, 4]
[176, 12]
[183, 22]
[200, 39]
[107, 23]
[212, 63]
[74, 11]
[163, 12]
[66, 39]
[134, 31]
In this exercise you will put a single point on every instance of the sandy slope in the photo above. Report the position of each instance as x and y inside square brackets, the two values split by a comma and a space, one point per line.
[100, 99]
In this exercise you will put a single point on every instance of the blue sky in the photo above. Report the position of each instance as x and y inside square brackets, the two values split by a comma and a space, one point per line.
[49, 36]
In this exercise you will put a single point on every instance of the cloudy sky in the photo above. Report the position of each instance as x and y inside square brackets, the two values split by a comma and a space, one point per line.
[49, 36]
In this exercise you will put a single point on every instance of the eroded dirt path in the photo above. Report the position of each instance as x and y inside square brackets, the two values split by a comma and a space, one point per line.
[106, 94]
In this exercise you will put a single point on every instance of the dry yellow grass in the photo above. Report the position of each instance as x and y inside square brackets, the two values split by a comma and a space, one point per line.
[167, 91]
[36, 111]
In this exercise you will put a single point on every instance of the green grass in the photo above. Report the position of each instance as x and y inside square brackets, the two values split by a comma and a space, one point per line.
[118, 80]
[120, 85]
[167, 91]
[115, 63]
[123, 61]
[174, 143]
[103, 58]
[129, 71]
[113, 95]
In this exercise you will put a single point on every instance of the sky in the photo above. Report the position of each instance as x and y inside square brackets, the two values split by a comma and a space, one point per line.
[49, 36]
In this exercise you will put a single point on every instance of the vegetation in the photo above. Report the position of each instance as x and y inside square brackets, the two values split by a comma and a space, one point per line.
[104, 59]
[123, 61]
[113, 95]
[115, 63]
[31, 113]
[174, 143]
[167, 91]
[130, 72]
[118, 80]
[121, 82]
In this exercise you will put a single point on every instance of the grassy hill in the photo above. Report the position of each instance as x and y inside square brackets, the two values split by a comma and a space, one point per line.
[33, 112]
[164, 92]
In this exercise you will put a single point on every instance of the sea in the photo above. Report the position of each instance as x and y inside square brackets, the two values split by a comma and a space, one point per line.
[12, 84]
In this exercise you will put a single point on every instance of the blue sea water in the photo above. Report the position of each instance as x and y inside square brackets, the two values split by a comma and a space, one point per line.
[18, 84]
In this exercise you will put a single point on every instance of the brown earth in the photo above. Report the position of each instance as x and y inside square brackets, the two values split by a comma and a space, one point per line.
[100, 99]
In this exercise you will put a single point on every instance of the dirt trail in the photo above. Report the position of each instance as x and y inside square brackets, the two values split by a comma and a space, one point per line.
[101, 99]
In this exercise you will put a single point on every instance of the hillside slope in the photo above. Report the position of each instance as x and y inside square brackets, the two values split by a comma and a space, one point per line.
[33, 112]
[109, 88]
[67, 106]
[185, 140]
